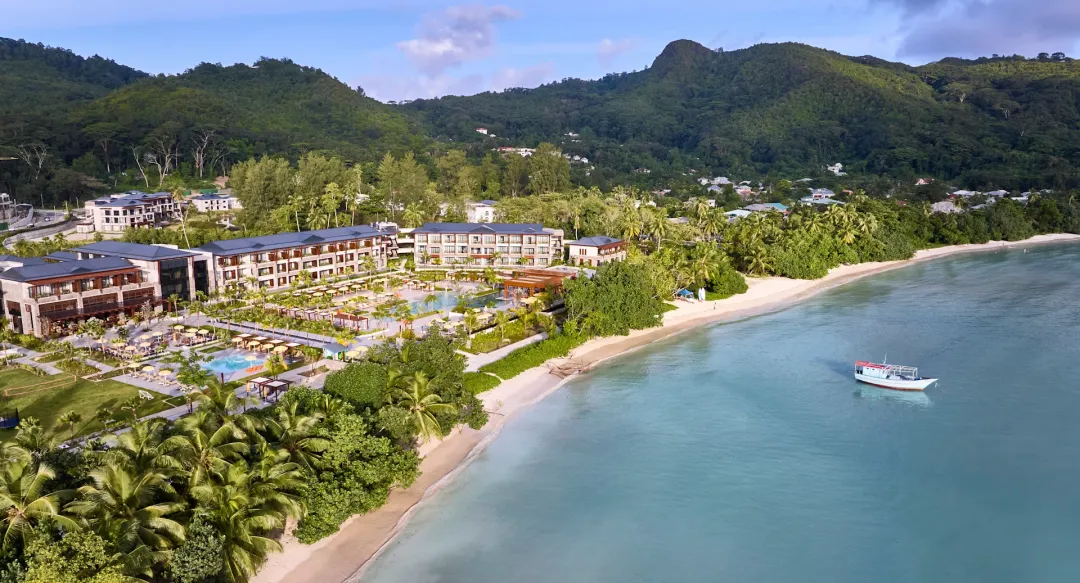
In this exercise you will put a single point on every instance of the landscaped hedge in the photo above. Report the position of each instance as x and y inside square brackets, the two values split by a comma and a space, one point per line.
[76, 367]
[534, 355]
[480, 382]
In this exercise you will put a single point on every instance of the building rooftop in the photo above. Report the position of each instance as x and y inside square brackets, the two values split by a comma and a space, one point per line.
[483, 228]
[66, 268]
[133, 251]
[212, 196]
[21, 261]
[287, 240]
[61, 256]
[598, 241]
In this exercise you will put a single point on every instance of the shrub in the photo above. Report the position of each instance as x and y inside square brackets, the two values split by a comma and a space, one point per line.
[534, 355]
[76, 367]
[480, 382]
[727, 283]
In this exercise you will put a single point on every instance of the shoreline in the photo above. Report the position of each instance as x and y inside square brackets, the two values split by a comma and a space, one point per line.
[345, 555]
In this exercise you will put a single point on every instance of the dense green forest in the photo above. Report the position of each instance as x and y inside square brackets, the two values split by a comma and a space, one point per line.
[791, 109]
[73, 127]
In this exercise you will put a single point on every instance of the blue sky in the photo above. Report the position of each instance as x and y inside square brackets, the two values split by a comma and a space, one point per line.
[423, 48]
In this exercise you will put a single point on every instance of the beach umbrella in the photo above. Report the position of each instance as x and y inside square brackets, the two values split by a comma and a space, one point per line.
[253, 343]
[204, 332]
[131, 348]
[164, 373]
[280, 349]
[178, 327]
[158, 334]
[276, 341]
[133, 365]
[243, 335]
[260, 338]
[237, 339]
[144, 345]
[148, 369]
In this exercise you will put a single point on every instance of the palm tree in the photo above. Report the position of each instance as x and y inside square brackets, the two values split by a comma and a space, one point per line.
[235, 504]
[204, 452]
[142, 449]
[501, 320]
[292, 432]
[472, 322]
[657, 227]
[758, 260]
[125, 507]
[275, 365]
[705, 262]
[21, 492]
[423, 404]
[178, 198]
[69, 420]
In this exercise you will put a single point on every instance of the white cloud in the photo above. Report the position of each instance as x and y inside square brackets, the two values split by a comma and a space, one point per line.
[454, 36]
[609, 49]
[511, 77]
[971, 28]
[400, 88]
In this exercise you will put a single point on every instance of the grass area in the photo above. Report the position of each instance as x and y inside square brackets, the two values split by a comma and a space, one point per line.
[480, 382]
[492, 340]
[84, 397]
[50, 357]
[668, 307]
[533, 355]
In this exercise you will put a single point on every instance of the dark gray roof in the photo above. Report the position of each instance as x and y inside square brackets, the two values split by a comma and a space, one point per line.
[133, 251]
[286, 240]
[211, 197]
[598, 241]
[124, 202]
[488, 202]
[482, 228]
[66, 268]
[22, 260]
[62, 256]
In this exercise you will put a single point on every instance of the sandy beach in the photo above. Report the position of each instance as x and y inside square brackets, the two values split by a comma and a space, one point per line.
[342, 557]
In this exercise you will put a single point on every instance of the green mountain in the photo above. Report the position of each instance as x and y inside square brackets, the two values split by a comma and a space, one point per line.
[37, 80]
[273, 106]
[790, 109]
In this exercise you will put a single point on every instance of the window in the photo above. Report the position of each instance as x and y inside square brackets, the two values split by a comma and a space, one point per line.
[542, 239]
[421, 238]
[107, 281]
[543, 250]
[309, 264]
[515, 239]
[530, 251]
[515, 250]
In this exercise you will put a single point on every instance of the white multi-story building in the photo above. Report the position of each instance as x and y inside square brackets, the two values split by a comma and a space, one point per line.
[483, 244]
[596, 251]
[275, 261]
[215, 202]
[132, 209]
[481, 212]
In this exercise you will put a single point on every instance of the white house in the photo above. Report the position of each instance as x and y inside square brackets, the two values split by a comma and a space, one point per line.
[482, 131]
[132, 209]
[998, 193]
[737, 214]
[596, 251]
[820, 193]
[837, 169]
[215, 202]
[481, 212]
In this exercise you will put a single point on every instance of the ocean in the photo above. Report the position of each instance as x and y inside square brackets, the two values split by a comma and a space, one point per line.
[745, 452]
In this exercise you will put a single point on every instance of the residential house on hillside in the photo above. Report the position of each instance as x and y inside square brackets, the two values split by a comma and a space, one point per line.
[481, 212]
[215, 202]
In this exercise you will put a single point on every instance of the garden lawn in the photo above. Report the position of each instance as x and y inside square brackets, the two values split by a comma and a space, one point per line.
[85, 398]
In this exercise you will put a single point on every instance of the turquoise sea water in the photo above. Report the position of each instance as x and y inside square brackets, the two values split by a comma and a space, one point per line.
[745, 452]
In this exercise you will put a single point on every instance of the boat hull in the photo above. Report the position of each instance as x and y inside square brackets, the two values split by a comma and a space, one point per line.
[895, 384]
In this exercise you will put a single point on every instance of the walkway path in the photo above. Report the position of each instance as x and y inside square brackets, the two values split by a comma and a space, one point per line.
[475, 361]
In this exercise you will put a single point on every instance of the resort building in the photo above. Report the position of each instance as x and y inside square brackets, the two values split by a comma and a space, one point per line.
[46, 296]
[596, 251]
[275, 261]
[481, 212]
[132, 209]
[215, 202]
[484, 244]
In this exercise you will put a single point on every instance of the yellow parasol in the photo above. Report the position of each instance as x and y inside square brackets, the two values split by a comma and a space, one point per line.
[203, 331]
[164, 373]
[280, 349]
[178, 327]
[148, 369]
[237, 339]
[253, 343]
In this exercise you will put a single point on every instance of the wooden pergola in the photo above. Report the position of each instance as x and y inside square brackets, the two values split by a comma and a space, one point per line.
[534, 281]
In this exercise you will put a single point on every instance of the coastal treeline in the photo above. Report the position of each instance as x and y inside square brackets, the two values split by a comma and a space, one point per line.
[205, 498]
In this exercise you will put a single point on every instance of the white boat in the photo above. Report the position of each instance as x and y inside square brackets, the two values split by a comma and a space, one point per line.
[891, 376]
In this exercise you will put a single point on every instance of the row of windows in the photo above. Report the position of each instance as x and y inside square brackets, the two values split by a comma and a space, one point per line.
[84, 285]
[528, 239]
[435, 250]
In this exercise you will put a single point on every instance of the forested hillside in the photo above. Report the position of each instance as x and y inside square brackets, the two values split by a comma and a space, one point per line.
[72, 127]
[788, 109]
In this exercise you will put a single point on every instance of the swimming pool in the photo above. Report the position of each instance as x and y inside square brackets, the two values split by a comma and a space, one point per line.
[233, 363]
[447, 301]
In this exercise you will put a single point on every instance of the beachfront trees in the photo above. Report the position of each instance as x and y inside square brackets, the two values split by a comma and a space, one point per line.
[294, 433]
[423, 405]
[23, 493]
[617, 299]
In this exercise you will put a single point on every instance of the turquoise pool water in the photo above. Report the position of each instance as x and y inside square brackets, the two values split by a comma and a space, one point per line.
[232, 363]
[448, 300]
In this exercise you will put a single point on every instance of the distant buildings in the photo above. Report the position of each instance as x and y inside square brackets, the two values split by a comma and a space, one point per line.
[946, 207]
[482, 131]
[481, 212]
[523, 152]
[837, 169]
[133, 209]
[596, 251]
[483, 244]
[215, 202]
